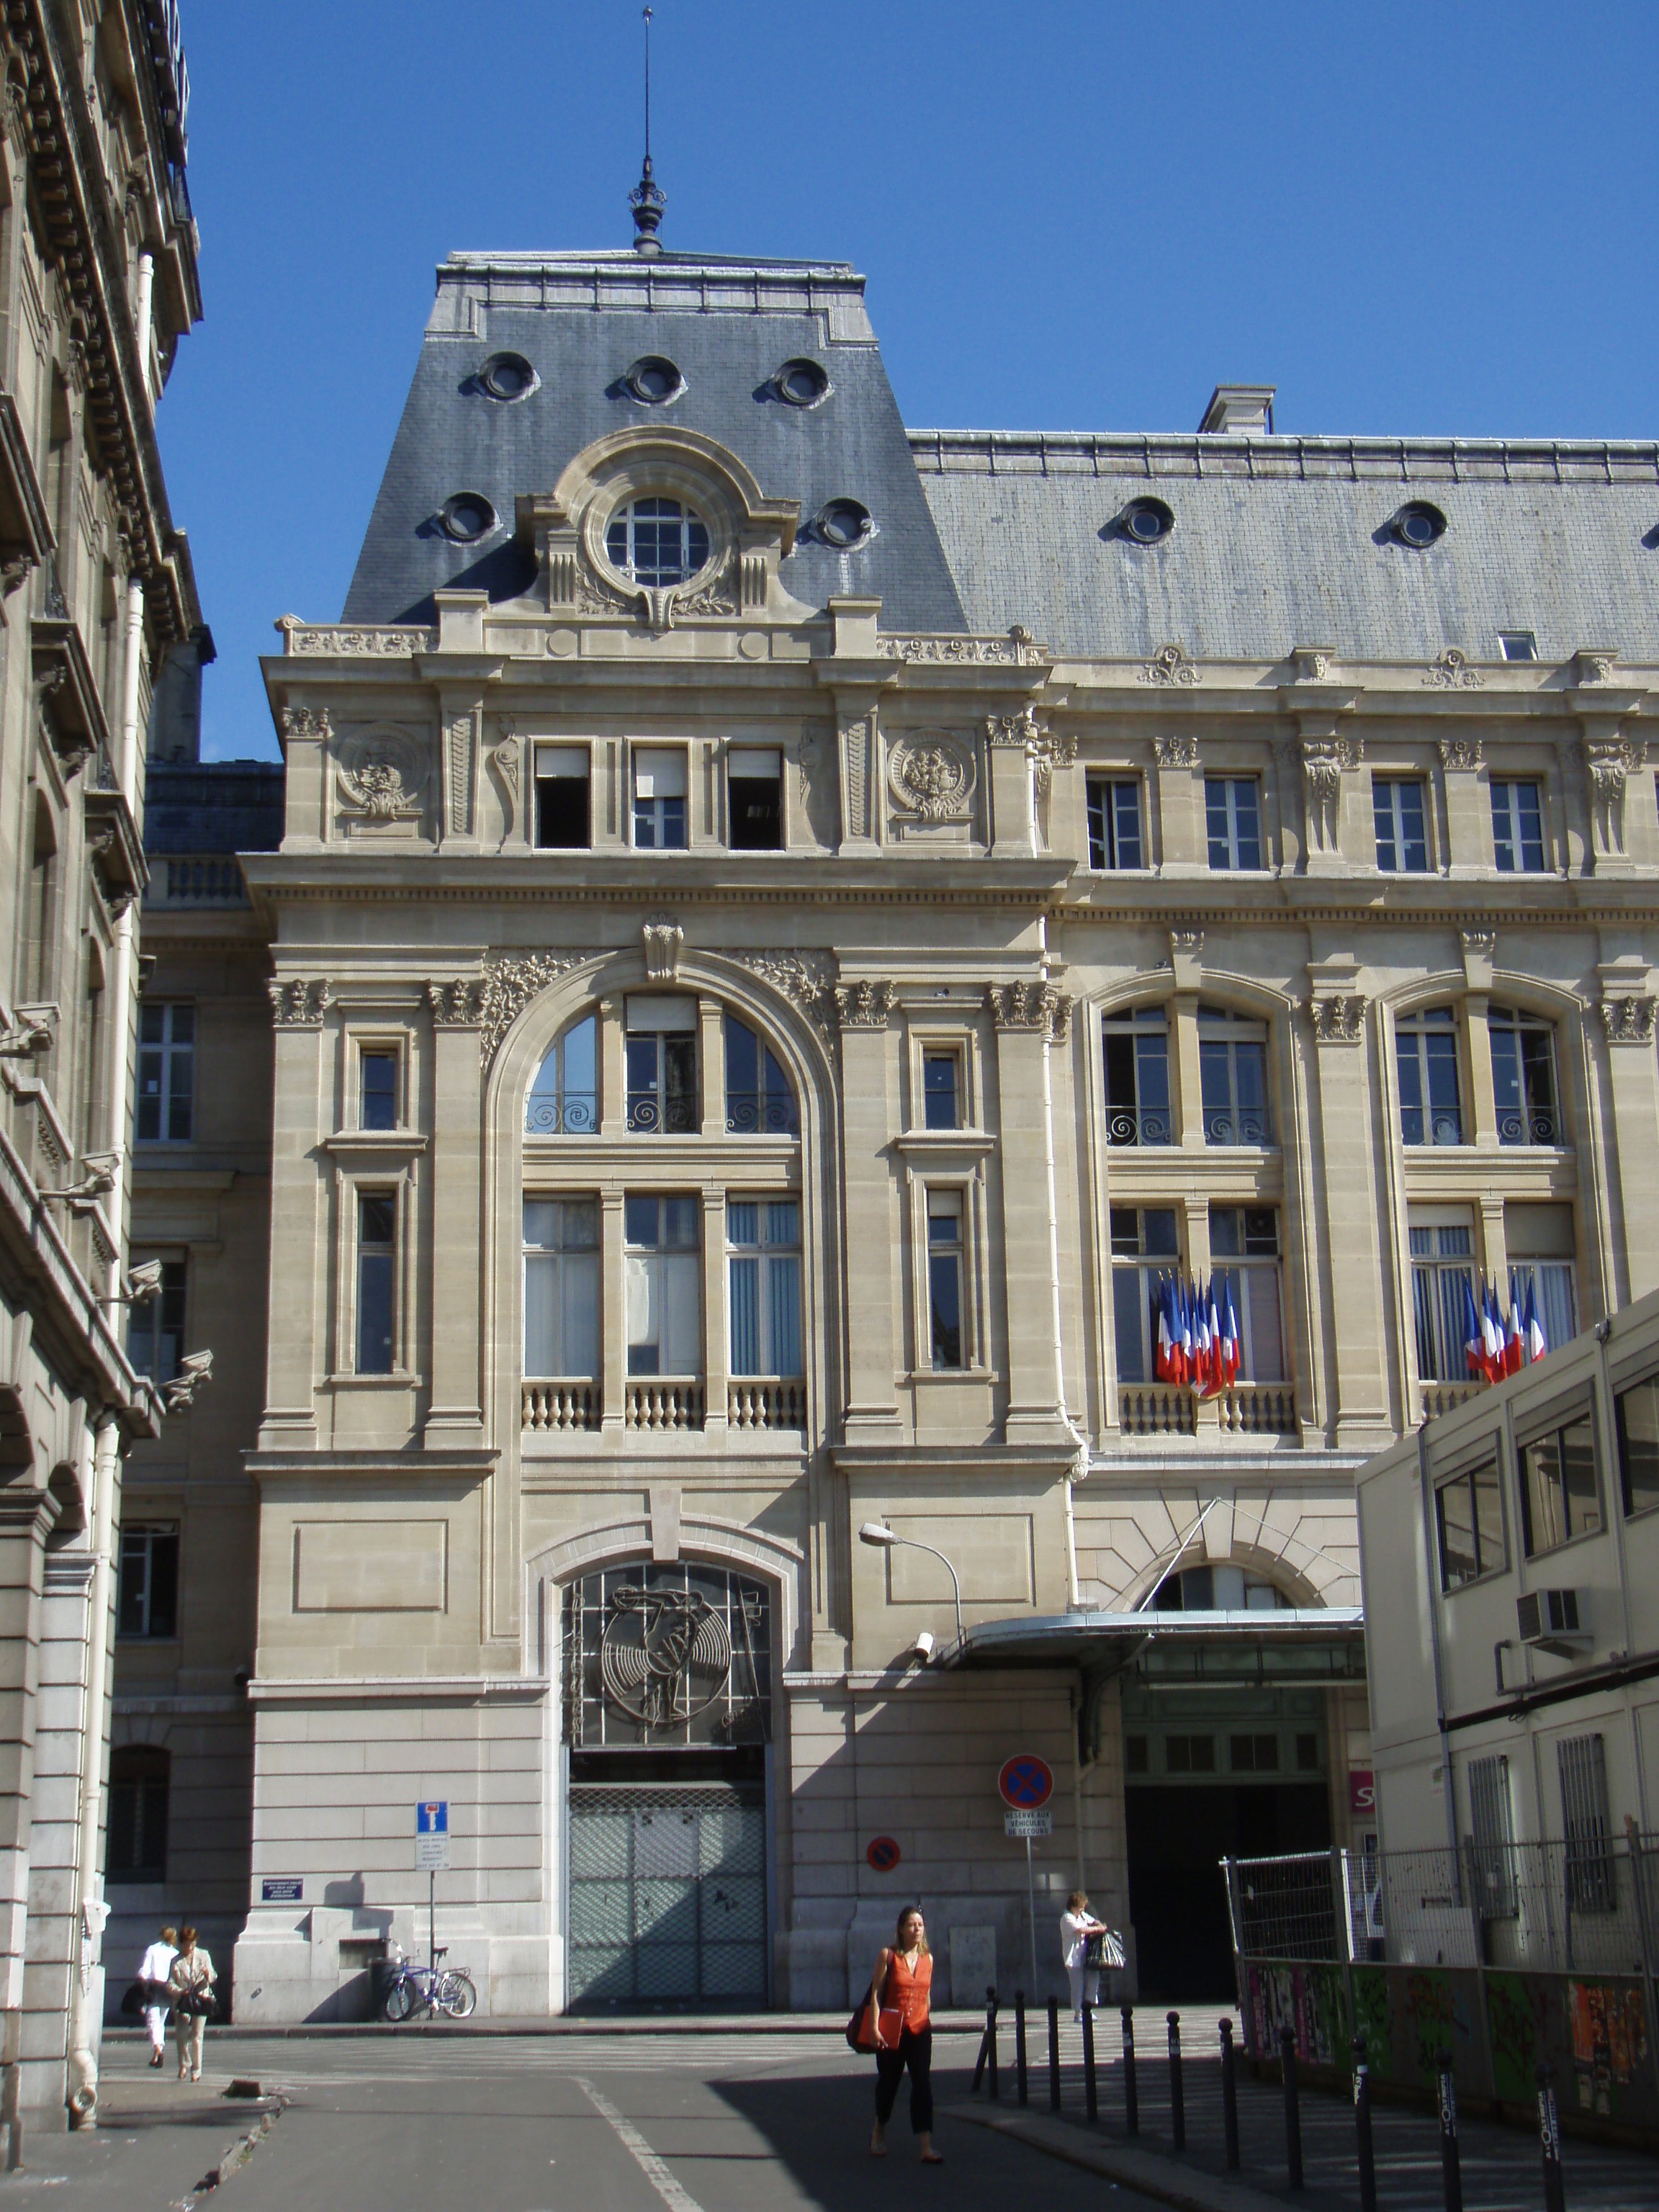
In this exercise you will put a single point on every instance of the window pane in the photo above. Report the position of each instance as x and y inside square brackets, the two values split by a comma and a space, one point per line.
[782, 1221]
[1265, 1350]
[939, 1082]
[379, 1104]
[541, 1313]
[745, 1314]
[1577, 1451]
[742, 1221]
[944, 1290]
[682, 1310]
[1247, 825]
[580, 1314]
[783, 1315]
[373, 1313]
[1637, 1412]
[1129, 1301]
[1126, 809]
[1454, 1505]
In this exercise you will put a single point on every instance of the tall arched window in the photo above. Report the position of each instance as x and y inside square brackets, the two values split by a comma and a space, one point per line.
[1425, 1060]
[564, 1099]
[1136, 1049]
[760, 1100]
[1232, 1066]
[1524, 1078]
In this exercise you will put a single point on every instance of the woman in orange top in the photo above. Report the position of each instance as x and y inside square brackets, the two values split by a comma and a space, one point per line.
[899, 1987]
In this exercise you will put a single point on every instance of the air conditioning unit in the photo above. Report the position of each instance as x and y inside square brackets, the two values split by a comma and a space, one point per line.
[1549, 1622]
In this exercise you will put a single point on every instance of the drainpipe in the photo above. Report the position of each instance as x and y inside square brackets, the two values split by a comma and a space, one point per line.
[1078, 1471]
[87, 1986]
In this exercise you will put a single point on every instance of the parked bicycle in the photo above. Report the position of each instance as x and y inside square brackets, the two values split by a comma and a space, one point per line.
[436, 1988]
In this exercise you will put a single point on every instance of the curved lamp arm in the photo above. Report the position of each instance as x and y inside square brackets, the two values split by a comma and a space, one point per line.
[886, 1539]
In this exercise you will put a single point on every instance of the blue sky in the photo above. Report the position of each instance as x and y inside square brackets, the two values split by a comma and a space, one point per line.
[1073, 214]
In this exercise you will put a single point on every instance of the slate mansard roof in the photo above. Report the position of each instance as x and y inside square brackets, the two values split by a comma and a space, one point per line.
[1277, 540]
[581, 321]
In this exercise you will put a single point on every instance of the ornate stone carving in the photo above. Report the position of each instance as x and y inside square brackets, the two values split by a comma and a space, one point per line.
[1478, 944]
[930, 775]
[1170, 664]
[457, 1005]
[858, 738]
[298, 1004]
[1022, 729]
[663, 939]
[1594, 665]
[1610, 761]
[1186, 944]
[1323, 761]
[460, 747]
[1450, 671]
[1176, 752]
[376, 790]
[714, 598]
[804, 979]
[1016, 650]
[346, 639]
[595, 596]
[1460, 753]
[1629, 1020]
[1031, 1005]
[1338, 1018]
[510, 982]
[1313, 663]
[810, 758]
[864, 1006]
[306, 723]
[505, 762]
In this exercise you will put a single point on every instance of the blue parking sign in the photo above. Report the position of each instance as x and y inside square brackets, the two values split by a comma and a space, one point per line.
[432, 1819]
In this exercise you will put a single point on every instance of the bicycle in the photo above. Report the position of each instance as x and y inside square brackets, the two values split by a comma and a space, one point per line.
[446, 1989]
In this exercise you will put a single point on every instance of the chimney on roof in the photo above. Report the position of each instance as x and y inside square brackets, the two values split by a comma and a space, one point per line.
[1244, 410]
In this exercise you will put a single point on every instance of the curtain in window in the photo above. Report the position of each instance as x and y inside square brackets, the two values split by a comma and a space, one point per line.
[783, 1285]
[746, 1309]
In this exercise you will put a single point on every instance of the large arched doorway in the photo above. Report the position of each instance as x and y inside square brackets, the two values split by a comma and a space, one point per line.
[667, 1721]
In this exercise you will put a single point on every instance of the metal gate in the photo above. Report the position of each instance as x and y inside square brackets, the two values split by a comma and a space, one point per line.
[667, 1896]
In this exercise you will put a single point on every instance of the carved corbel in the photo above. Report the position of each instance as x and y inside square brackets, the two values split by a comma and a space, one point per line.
[864, 1006]
[299, 1003]
[663, 938]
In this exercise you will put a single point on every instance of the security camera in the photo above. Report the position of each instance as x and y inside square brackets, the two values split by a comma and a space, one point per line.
[923, 1648]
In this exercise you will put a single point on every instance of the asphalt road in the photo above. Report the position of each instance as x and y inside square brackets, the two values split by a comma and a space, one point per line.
[660, 2122]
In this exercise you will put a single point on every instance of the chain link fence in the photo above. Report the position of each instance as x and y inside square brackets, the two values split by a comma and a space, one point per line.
[1552, 1907]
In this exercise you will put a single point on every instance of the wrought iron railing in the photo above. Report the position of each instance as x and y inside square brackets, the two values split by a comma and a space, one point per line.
[1536, 1125]
[648, 1114]
[1248, 1126]
[576, 1113]
[761, 1114]
[1140, 1125]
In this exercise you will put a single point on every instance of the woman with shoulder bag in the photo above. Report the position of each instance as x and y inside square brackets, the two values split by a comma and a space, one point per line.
[191, 1987]
[901, 2033]
[1086, 1944]
[154, 1969]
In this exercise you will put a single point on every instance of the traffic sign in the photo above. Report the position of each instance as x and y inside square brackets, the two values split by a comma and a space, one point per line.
[432, 1837]
[884, 1854]
[1028, 1824]
[1026, 1781]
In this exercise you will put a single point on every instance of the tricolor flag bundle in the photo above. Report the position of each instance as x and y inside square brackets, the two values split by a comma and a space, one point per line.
[1492, 1345]
[1197, 1334]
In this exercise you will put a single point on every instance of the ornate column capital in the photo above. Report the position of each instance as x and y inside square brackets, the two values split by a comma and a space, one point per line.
[457, 1005]
[1169, 666]
[1629, 1019]
[864, 1006]
[663, 938]
[1338, 1016]
[1032, 1005]
[297, 1003]
[510, 982]
[1175, 752]
[1460, 754]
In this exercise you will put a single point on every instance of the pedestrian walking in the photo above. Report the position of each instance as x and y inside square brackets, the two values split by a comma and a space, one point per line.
[903, 2032]
[191, 1980]
[154, 1969]
[1076, 1925]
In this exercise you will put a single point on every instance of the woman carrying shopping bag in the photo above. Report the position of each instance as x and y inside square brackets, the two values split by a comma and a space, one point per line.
[897, 2027]
[1080, 1942]
[190, 1984]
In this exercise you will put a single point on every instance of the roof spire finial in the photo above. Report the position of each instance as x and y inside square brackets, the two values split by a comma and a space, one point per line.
[647, 199]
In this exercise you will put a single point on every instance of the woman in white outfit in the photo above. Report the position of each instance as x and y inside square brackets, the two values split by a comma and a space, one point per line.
[1076, 1925]
[152, 1971]
[190, 1982]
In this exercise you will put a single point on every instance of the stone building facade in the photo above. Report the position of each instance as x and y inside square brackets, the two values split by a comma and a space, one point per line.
[98, 283]
[784, 930]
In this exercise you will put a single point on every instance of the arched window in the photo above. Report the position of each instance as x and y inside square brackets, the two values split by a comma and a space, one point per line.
[657, 541]
[1524, 1078]
[1223, 1588]
[1232, 1066]
[564, 1099]
[759, 1097]
[1425, 1060]
[139, 1776]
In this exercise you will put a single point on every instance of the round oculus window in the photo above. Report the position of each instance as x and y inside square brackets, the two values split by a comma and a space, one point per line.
[1146, 520]
[507, 376]
[467, 517]
[1418, 525]
[803, 383]
[844, 524]
[657, 542]
[653, 379]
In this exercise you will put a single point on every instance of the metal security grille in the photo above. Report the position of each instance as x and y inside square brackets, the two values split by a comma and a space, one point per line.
[667, 1896]
[1491, 1837]
[1585, 1822]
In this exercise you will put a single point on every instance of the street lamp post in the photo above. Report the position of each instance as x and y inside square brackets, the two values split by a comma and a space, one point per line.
[876, 1533]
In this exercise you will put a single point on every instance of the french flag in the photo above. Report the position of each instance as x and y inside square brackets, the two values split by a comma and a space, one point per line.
[1166, 1359]
[1515, 1350]
[1203, 1344]
[1188, 1335]
[1217, 1364]
[1474, 1340]
[1491, 1332]
[1532, 1328]
[1230, 1339]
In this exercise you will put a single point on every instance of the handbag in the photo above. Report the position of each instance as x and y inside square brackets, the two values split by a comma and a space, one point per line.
[1104, 1950]
[137, 1996]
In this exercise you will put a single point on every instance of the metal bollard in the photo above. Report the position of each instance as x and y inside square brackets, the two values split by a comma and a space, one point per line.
[1451, 2170]
[1131, 2094]
[1549, 2137]
[1292, 2106]
[1020, 2084]
[1229, 2100]
[992, 2084]
[1054, 2054]
[1177, 2087]
[1090, 2096]
[1362, 2127]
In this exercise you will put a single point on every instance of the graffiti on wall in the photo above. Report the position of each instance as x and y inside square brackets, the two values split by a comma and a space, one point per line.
[1609, 2040]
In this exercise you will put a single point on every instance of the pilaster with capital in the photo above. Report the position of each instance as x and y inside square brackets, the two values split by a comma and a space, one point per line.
[303, 1112]
[1178, 778]
[456, 1420]
[307, 737]
[1466, 793]
[1025, 1016]
[461, 749]
[1348, 1258]
[870, 1113]
[1612, 759]
[1480, 948]
[1626, 1009]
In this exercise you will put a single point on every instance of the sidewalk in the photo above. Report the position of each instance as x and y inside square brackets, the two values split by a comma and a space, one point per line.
[158, 2142]
[1501, 2166]
[667, 2023]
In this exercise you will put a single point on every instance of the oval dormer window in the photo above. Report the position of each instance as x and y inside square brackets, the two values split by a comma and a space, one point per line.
[657, 542]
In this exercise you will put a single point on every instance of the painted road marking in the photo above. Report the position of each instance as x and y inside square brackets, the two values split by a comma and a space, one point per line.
[645, 2158]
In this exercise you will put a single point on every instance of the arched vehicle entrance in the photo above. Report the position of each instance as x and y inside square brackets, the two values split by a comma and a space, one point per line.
[667, 1718]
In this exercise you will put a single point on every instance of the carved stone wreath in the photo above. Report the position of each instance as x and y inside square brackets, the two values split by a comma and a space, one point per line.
[1450, 671]
[930, 775]
[380, 773]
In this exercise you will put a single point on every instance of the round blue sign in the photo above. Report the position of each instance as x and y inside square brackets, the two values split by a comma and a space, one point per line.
[1026, 1781]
